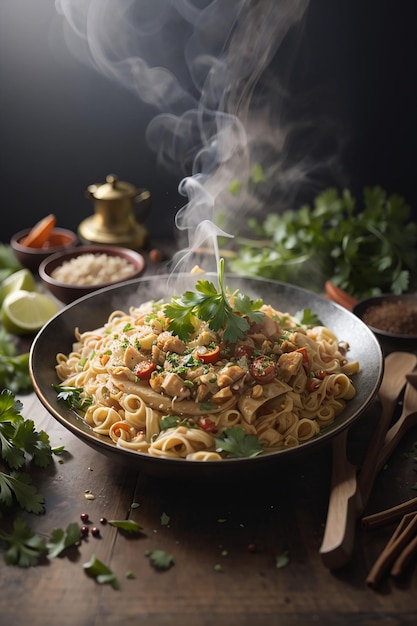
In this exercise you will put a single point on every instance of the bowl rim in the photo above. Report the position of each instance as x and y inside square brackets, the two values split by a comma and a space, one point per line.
[15, 242]
[136, 258]
[363, 305]
[41, 369]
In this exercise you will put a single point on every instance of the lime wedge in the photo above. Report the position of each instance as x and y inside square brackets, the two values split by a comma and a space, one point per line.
[24, 312]
[22, 279]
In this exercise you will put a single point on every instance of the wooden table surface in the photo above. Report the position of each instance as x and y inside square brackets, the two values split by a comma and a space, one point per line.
[224, 537]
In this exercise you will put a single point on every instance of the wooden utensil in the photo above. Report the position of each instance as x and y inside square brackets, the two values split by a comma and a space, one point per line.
[406, 420]
[339, 532]
[397, 366]
[348, 497]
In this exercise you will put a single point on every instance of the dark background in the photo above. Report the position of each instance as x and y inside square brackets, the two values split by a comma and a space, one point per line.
[64, 126]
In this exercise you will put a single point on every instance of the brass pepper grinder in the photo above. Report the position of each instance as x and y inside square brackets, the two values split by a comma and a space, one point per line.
[114, 221]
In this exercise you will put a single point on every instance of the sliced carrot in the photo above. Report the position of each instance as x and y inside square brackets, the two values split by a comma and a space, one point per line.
[39, 234]
[338, 295]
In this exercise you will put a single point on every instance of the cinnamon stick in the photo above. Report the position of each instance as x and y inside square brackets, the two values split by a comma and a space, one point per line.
[392, 550]
[389, 515]
[402, 561]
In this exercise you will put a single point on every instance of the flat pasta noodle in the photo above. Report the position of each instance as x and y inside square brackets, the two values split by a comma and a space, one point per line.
[153, 393]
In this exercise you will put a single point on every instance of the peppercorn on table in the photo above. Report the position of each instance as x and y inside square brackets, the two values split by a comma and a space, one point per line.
[235, 552]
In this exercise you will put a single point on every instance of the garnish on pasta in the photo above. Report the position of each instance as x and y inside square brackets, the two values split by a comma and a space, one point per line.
[207, 376]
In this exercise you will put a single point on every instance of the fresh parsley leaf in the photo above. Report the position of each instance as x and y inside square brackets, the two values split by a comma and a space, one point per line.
[366, 246]
[165, 519]
[215, 306]
[308, 318]
[61, 539]
[236, 443]
[14, 367]
[160, 559]
[282, 560]
[72, 397]
[98, 570]
[127, 525]
[25, 548]
[20, 486]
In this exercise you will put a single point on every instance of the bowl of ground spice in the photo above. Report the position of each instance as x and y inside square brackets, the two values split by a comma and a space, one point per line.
[393, 319]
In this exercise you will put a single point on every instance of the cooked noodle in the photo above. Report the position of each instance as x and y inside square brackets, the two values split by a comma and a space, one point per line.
[153, 393]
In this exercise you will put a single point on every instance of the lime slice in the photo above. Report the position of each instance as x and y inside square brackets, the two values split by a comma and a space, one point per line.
[22, 279]
[24, 312]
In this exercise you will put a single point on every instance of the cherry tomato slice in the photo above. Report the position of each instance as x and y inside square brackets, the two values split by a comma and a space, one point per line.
[262, 369]
[211, 356]
[244, 350]
[144, 369]
[207, 424]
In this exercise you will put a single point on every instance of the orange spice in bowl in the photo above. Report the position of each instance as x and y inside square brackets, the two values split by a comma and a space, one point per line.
[39, 235]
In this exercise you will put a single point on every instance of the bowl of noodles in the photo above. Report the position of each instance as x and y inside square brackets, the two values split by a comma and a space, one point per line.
[190, 382]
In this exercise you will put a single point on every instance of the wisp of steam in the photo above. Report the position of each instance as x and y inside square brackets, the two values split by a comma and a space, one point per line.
[222, 119]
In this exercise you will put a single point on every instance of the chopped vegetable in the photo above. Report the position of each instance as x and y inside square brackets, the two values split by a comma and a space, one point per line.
[39, 234]
[143, 370]
[262, 369]
[209, 356]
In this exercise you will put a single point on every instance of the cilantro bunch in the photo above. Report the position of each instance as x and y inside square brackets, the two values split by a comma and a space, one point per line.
[20, 443]
[365, 250]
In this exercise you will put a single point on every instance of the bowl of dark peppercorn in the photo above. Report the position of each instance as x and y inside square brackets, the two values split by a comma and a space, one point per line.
[392, 318]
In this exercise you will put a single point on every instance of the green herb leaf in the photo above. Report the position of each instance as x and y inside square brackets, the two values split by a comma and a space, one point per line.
[14, 367]
[237, 443]
[282, 560]
[219, 309]
[127, 525]
[160, 559]
[73, 397]
[24, 547]
[61, 539]
[366, 248]
[98, 570]
[308, 318]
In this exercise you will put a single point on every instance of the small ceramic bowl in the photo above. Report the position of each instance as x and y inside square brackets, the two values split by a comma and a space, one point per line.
[393, 319]
[87, 269]
[60, 239]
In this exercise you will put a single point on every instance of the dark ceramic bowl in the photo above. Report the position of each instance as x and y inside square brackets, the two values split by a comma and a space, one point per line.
[60, 239]
[93, 311]
[67, 292]
[392, 318]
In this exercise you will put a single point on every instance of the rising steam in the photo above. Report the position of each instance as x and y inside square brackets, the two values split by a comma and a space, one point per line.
[220, 112]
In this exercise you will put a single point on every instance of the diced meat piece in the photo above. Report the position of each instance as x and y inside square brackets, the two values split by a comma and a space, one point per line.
[174, 386]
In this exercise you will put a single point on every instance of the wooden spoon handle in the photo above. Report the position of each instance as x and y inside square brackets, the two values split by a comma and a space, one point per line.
[339, 533]
[393, 438]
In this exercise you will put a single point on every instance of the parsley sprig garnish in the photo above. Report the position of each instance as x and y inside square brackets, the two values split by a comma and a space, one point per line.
[72, 396]
[219, 309]
[237, 444]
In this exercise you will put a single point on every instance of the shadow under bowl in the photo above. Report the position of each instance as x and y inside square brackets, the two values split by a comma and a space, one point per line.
[60, 239]
[393, 320]
[67, 292]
